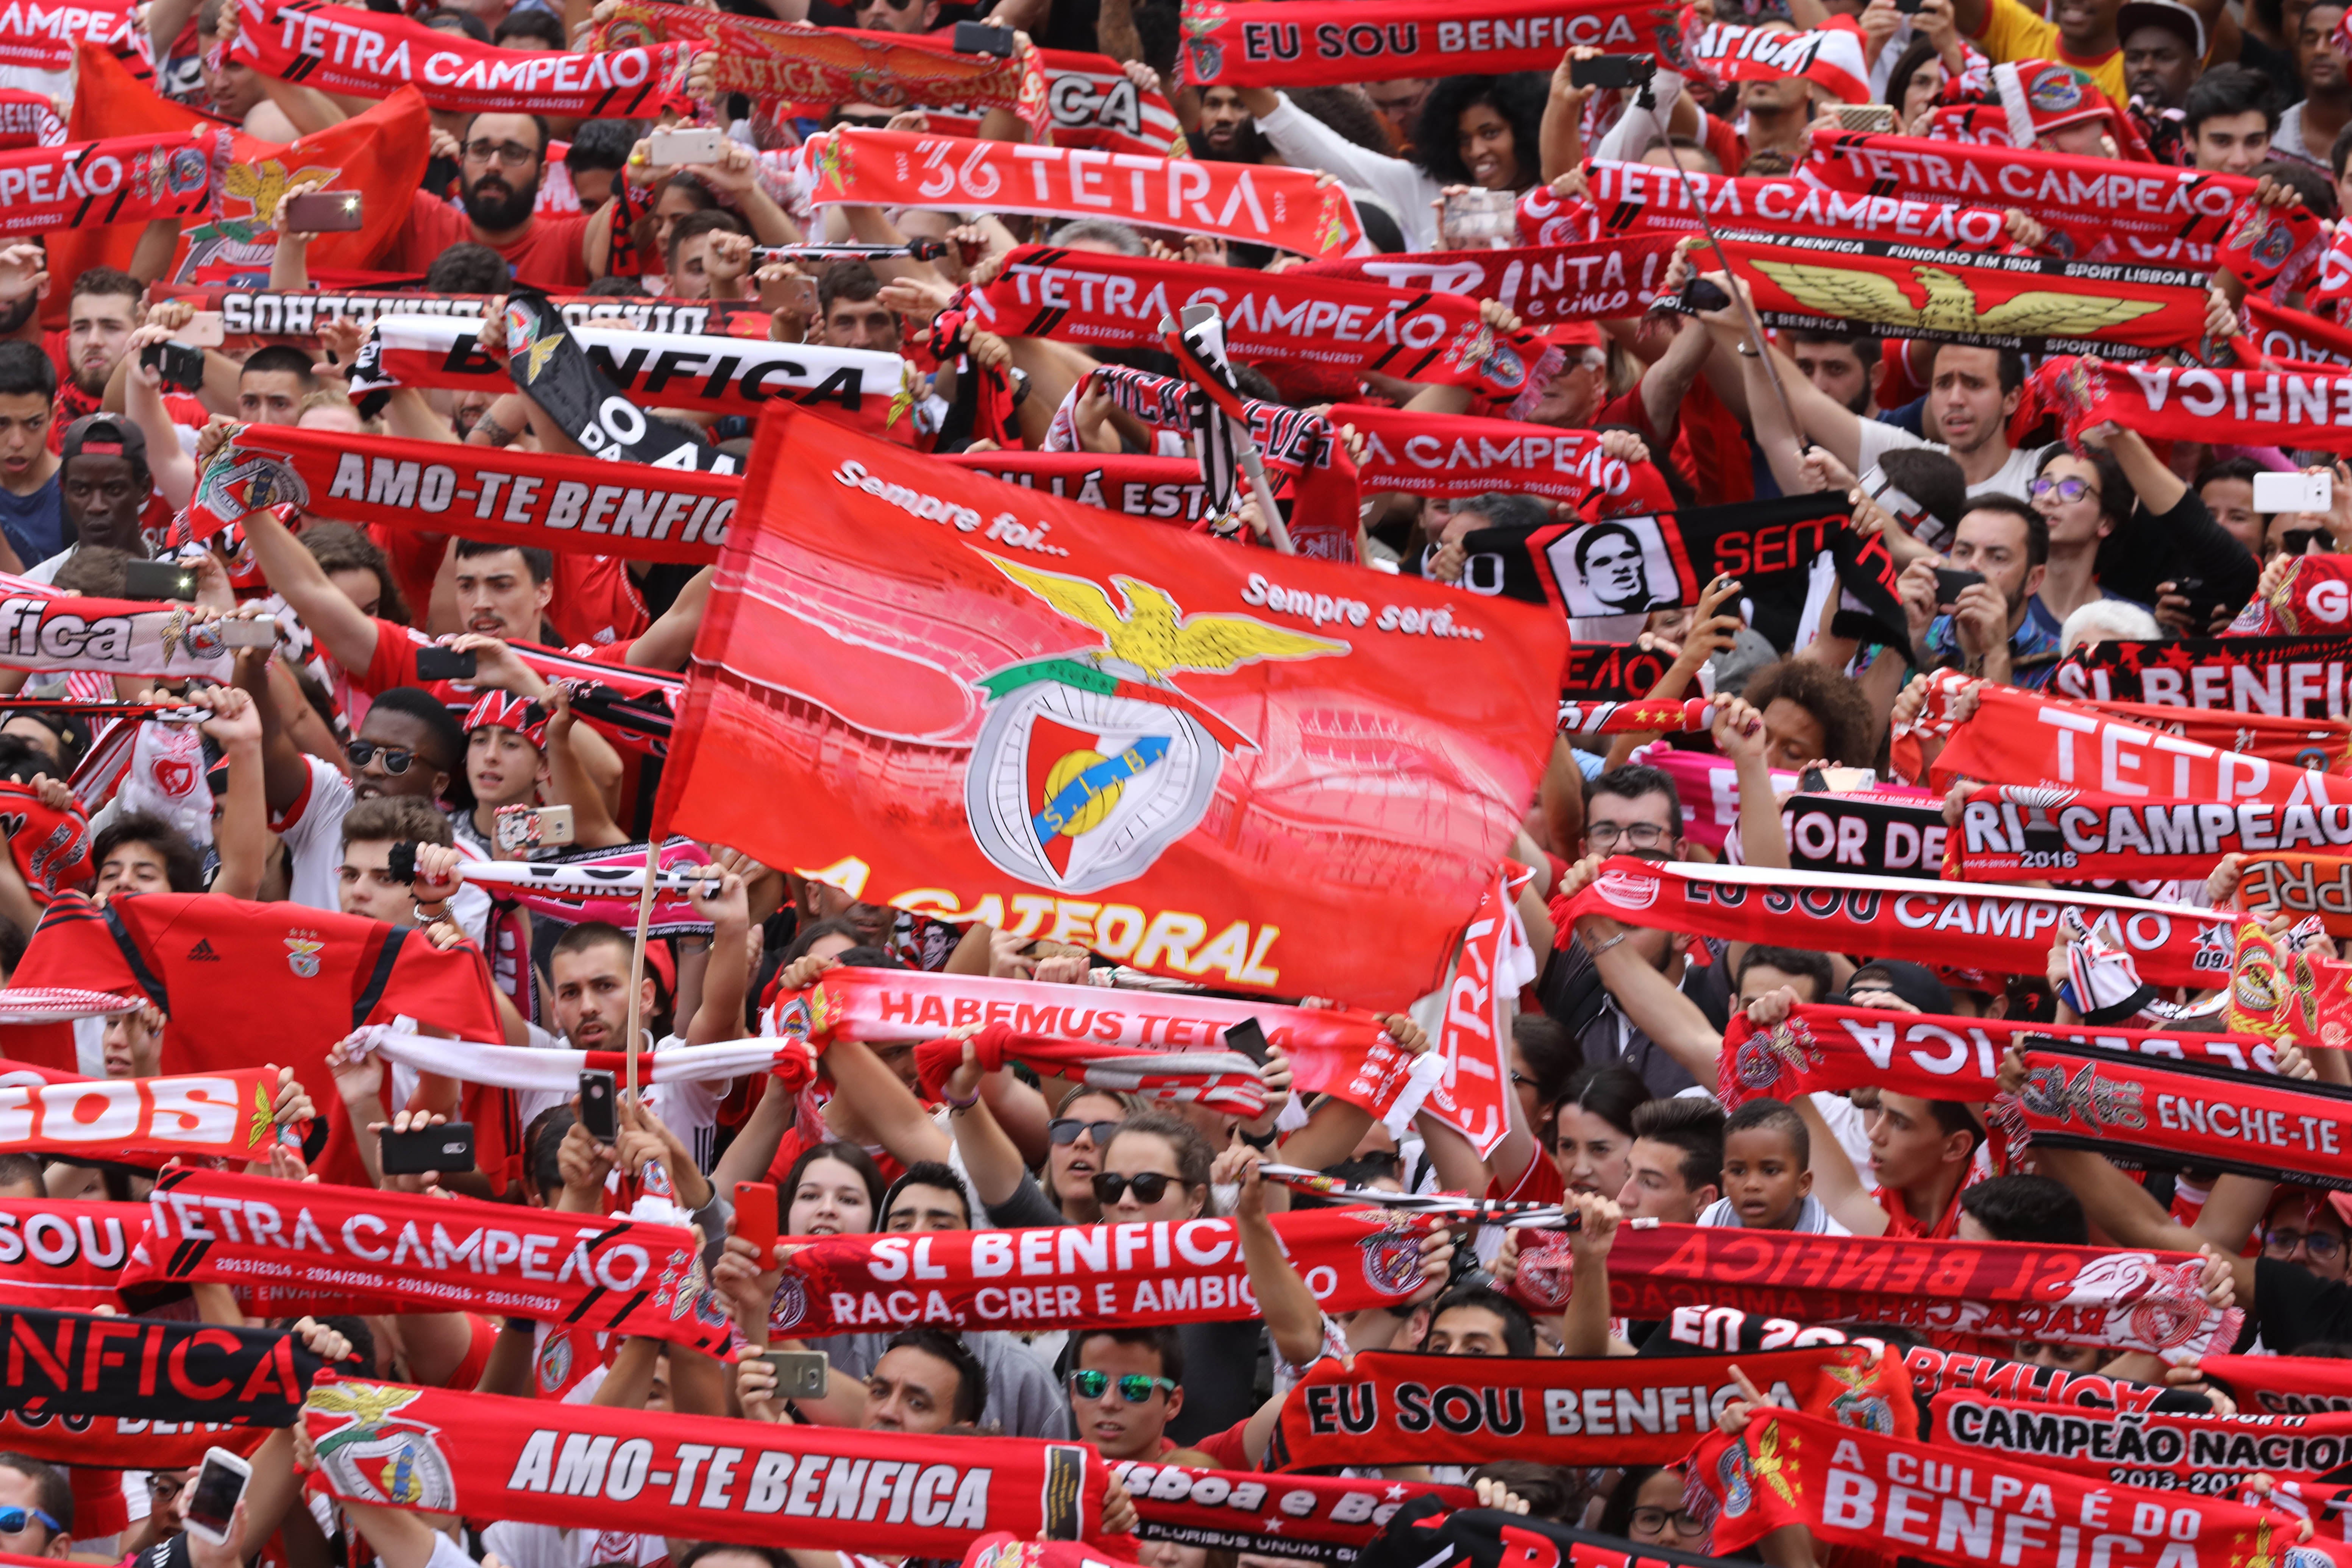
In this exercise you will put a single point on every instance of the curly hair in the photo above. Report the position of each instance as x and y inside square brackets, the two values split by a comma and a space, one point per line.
[1517, 97]
[340, 547]
[1830, 697]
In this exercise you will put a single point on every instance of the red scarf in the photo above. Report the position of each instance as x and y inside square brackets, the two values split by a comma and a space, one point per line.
[1474, 1039]
[1165, 489]
[1119, 301]
[588, 1468]
[1936, 1372]
[332, 1249]
[223, 1115]
[2313, 598]
[43, 628]
[1902, 1225]
[123, 179]
[1568, 276]
[2283, 1386]
[1868, 1491]
[2321, 743]
[2003, 932]
[120, 1442]
[2076, 1295]
[2299, 885]
[1315, 43]
[1633, 198]
[2209, 1455]
[2299, 677]
[42, 37]
[1821, 1048]
[1332, 1050]
[1089, 1276]
[112, 1365]
[61, 1254]
[2281, 334]
[367, 54]
[51, 849]
[2026, 833]
[2298, 408]
[1222, 1080]
[1328, 1517]
[568, 503]
[1260, 204]
[294, 317]
[1456, 457]
[1391, 1408]
[1830, 59]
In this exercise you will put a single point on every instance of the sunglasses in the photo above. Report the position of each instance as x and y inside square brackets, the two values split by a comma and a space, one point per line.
[1133, 1386]
[1110, 1186]
[857, 5]
[397, 759]
[2069, 490]
[13, 1520]
[1065, 1131]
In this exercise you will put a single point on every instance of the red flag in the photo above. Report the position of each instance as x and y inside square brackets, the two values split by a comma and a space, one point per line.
[1233, 769]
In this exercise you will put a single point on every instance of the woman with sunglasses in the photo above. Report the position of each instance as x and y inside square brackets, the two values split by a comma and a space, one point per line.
[2162, 534]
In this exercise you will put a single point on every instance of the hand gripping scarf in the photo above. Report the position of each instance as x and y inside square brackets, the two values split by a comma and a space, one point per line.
[529, 1067]
[588, 1468]
[93, 1365]
[1821, 1048]
[1884, 1494]
[540, 501]
[61, 1254]
[121, 179]
[1315, 43]
[1119, 301]
[223, 1116]
[2309, 407]
[1089, 1276]
[1222, 1080]
[1568, 276]
[2003, 932]
[1391, 1408]
[1325, 1519]
[2296, 677]
[2024, 833]
[2283, 1386]
[2313, 598]
[1331, 1050]
[2208, 1455]
[1262, 205]
[51, 848]
[300, 1248]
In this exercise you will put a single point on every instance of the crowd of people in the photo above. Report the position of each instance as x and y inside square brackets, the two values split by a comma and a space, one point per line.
[372, 710]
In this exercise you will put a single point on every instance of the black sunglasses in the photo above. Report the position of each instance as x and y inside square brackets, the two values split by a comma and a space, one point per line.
[397, 759]
[1065, 1130]
[1110, 1186]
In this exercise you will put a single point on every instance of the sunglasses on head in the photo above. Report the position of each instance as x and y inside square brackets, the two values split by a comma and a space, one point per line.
[1110, 1186]
[1065, 1130]
[1133, 1386]
[13, 1520]
[397, 759]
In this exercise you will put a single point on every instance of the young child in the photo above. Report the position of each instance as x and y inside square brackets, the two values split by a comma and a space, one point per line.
[1768, 1180]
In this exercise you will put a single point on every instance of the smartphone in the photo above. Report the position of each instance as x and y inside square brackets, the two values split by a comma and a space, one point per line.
[667, 148]
[437, 663]
[181, 365]
[324, 211]
[755, 1215]
[799, 1374]
[1477, 217]
[528, 827]
[2294, 492]
[449, 1147]
[1877, 117]
[596, 1107]
[1908, 8]
[980, 39]
[249, 631]
[1699, 294]
[212, 1501]
[202, 330]
[1949, 583]
[1249, 1038]
[800, 294]
[158, 580]
[1613, 70]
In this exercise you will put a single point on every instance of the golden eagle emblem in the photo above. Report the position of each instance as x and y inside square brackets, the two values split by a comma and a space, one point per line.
[1153, 636]
[1951, 305]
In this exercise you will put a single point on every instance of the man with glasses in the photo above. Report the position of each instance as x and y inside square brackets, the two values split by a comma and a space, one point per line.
[1126, 1386]
[2307, 1226]
[1632, 811]
[35, 1508]
[502, 158]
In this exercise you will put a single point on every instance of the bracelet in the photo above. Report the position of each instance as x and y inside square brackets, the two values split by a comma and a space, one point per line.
[952, 1103]
[1597, 951]
[1750, 351]
[1262, 1143]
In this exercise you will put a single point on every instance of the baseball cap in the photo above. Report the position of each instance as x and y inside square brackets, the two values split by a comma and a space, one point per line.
[103, 435]
[2168, 15]
[1915, 983]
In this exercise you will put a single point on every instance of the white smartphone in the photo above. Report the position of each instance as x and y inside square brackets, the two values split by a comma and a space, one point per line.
[2294, 492]
[202, 330]
[670, 147]
[212, 1501]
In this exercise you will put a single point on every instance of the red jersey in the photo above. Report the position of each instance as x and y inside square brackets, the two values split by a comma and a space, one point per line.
[547, 252]
[596, 603]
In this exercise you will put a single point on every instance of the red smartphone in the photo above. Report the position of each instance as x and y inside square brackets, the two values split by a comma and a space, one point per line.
[755, 1215]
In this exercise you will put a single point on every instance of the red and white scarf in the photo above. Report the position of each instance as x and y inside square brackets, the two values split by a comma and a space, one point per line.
[1220, 1080]
[221, 1116]
[119, 180]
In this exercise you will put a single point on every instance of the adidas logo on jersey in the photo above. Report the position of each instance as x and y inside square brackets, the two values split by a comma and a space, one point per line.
[202, 952]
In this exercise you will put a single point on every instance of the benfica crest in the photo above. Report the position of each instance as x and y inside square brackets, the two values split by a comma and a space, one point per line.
[372, 1457]
[1089, 765]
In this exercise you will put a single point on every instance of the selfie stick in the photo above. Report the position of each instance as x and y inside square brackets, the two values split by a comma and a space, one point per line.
[1648, 99]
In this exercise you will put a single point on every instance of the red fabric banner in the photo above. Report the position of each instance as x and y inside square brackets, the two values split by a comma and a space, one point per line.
[1474, 1036]
[2076, 1295]
[2282, 1385]
[1933, 1372]
[119, 1443]
[2003, 932]
[1166, 489]
[295, 316]
[648, 1472]
[299, 1247]
[1453, 456]
[1018, 709]
[2310, 742]
[1119, 301]
[50, 848]
[2279, 333]
[123, 179]
[1327, 1518]
[1829, 59]
[2299, 885]
[2208, 1455]
[2293, 678]
[1394, 1408]
[1555, 281]
[1094, 105]
[63, 1255]
[1262, 204]
[2310, 408]
[1883, 1494]
[1315, 43]
[2183, 1115]
[1224, 1081]
[1824, 1048]
[2313, 599]
[1632, 198]
[222, 1116]
[1089, 1276]
[2028, 833]
[572, 504]
[40, 36]
[370, 54]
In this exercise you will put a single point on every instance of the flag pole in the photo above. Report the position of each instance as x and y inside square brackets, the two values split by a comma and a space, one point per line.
[1253, 465]
[637, 961]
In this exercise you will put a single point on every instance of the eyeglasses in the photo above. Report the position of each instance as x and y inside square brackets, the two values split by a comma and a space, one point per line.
[1133, 1386]
[1640, 835]
[1110, 1186]
[397, 759]
[2319, 1243]
[2069, 490]
[14, 1520]
[1682, 1520]
[1065, 1131]
[865, 122]
[163, 1488]
[512, 155]
[857, 5]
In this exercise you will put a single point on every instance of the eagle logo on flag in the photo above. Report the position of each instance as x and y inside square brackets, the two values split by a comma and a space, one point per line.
[1951, 305]
[1093, 762]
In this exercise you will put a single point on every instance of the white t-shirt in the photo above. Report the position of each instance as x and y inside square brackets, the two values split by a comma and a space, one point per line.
[2011, 479]
[313, 828]
[545, 1546]
[688, 1109]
